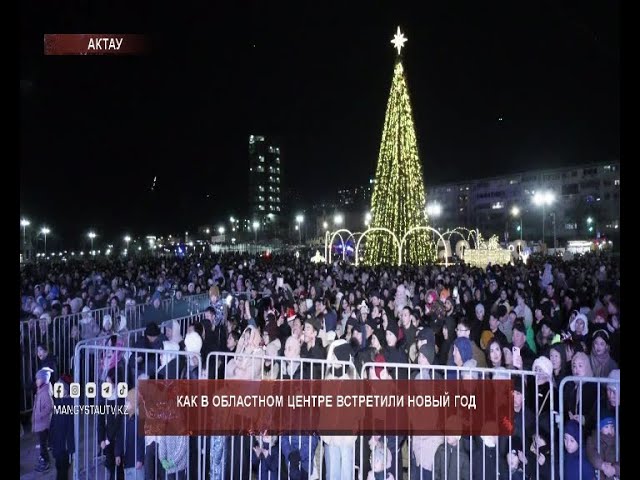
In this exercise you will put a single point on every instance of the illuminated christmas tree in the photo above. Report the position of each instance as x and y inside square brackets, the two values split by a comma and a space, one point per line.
[398, 201]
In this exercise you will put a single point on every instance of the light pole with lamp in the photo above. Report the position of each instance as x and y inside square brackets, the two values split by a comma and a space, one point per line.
[367, 219]
[543, 199]
[434, 210]
[256, 225]
[127, 239]
[45, 231]
[299, 220]
[24, 223]
[515, 212]
[91, 236]
[338, 219]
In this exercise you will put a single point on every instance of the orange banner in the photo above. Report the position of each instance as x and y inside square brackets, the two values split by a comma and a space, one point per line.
[334, 407]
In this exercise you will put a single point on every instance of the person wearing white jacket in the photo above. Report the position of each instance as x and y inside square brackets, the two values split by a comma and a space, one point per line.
[339, 449]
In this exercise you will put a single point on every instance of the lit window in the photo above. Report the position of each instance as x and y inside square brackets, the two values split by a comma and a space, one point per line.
[277, 159]
[260, 169]
[270, 149]
[261, 188]
[277, 179]
[261, 207]
[261, 158]
[497, 206]
[616, 182]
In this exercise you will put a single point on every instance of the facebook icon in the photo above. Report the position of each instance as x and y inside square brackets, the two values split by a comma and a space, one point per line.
[58, 390]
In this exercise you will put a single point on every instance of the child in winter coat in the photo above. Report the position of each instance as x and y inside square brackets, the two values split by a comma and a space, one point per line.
[572, 463]
[41, 416]
[605, 460]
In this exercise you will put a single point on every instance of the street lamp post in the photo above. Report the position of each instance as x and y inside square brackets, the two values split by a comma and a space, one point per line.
[256, 225]
[45, 231]
[24, 223]
[92, 235]
[515, 211]
[299, 220]
[434, 210]
[338, 219]
[543, 199]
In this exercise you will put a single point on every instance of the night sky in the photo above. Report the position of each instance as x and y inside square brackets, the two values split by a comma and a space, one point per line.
[495, 89]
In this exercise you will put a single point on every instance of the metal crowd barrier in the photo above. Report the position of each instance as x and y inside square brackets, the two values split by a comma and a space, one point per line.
[412, 458]
[603, 404]
[66, 331]
[417, 457]
[95, 459]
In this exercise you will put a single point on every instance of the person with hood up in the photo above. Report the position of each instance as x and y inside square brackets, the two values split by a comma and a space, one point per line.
[601, 362]
[111, 358]
[543, 390]
[462, 352]
[576, 462]
[580, 328]
[580, 396]
[249, 365]
[193, 345]
[546, 278]
[339, 449]
[603, 456]
[170, 364]
[41, 416]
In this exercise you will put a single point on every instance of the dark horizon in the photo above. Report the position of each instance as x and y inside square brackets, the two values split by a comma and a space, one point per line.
[506, 87]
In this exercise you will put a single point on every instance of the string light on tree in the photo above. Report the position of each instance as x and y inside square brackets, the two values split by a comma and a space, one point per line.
[398, 201]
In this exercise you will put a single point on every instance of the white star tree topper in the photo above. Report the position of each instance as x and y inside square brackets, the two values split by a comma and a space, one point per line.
[398, 40]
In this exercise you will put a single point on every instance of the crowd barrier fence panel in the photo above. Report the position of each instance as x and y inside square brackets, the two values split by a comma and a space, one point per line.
[602, 385]
[238, 450]
[66, 331]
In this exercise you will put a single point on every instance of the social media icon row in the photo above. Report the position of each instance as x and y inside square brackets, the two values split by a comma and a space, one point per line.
[91, 390]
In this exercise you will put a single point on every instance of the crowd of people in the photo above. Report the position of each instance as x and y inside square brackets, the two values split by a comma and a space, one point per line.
[551, 317]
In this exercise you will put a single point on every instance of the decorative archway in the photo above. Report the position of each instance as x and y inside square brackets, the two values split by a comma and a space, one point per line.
[431, 229]
[333, 236]
[378, 229]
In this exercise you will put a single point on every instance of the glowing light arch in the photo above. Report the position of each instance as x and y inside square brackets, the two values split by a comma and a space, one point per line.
[431, 229]
[333, 236]
[379, 229]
